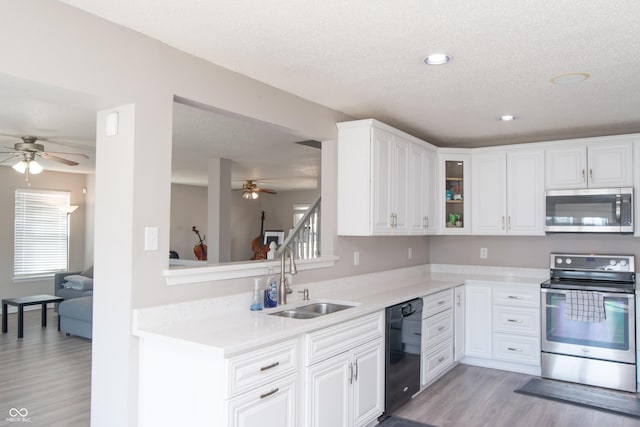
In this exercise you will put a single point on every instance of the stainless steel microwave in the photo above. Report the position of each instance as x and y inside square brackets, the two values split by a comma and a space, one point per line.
[599, 210]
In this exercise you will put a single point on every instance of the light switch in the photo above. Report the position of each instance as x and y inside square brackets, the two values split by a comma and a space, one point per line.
[151, 238]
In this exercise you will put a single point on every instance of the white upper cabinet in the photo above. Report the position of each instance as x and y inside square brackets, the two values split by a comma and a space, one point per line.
[489, 186]
[381, 181]
[421, 190]
[454, 191]
[508, 192]
[599, 163]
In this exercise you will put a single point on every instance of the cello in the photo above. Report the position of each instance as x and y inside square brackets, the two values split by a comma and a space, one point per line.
[259, 249]
[200, 249]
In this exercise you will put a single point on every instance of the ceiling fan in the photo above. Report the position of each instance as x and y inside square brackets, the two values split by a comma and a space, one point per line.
[29, 149]
[250, 190]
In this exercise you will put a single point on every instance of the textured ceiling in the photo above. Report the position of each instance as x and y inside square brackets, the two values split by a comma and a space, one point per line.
[364, 58]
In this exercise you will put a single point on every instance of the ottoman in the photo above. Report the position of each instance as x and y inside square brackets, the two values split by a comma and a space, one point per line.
[76, 316]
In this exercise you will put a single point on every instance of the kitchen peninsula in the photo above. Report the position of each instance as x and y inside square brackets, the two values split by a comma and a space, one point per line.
[214, 356]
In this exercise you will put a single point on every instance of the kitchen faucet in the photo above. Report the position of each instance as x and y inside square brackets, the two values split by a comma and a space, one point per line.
[283, 288]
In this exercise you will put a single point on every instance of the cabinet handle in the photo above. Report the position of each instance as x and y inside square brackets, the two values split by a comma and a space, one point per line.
[583, 177]
[418, 334]
[513, 297]
[350, 373]
[427, 218]
[519, 350]
[591, 174]
[441, 302]
[514, 321]
[274, 391]
[441, 359]
[458, 301]
[441, 328]
[509, 222]
[355, 375]
[503, 223]
[266, 368]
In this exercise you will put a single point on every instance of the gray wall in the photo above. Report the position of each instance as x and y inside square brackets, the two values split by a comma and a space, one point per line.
[189, 208]
[531, 252]
[11, 180]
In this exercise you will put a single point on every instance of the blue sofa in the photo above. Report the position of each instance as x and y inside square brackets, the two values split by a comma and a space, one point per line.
[75, 313]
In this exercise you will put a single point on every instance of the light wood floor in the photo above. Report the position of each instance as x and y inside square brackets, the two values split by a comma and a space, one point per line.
[470, 396]
[46, 372]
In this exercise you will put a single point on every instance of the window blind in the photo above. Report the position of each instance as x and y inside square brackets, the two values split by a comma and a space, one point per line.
[41, 234]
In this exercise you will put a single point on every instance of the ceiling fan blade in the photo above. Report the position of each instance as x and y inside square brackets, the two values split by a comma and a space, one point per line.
[50, 156]
[10, 157]
[266, 190]
[55, 153]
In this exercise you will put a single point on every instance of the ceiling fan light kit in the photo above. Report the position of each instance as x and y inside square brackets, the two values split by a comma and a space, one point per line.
[29, 150]
[249, 195]
[250, 190]
[32, 166]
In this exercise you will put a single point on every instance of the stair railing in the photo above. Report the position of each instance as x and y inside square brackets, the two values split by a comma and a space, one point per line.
[304, 239]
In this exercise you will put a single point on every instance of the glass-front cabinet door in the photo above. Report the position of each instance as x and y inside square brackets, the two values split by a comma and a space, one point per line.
[454, 193]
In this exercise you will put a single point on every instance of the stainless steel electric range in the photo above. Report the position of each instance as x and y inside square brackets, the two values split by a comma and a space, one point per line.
[588, 320]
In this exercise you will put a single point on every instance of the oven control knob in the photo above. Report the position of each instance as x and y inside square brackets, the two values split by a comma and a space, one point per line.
[623, 262]
[612, 262]
[568, 261]
[558, 260]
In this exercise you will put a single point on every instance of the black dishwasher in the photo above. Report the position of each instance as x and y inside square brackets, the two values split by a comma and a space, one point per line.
[402, 356]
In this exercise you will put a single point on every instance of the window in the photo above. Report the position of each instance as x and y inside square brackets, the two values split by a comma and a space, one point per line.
[299, 210]
[41, 233]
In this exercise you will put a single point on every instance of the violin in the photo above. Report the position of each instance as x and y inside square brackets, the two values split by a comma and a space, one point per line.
[200, 249]
[259, 250]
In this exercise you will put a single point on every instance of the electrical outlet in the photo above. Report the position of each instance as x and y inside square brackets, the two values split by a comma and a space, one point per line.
[356, 258]
[410, 255]
[484, 253]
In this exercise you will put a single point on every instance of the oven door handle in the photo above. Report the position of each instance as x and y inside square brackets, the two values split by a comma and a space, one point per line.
[605, 294]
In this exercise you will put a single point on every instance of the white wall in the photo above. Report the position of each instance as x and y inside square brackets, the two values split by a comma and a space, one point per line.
[188, 209]
[10, 181]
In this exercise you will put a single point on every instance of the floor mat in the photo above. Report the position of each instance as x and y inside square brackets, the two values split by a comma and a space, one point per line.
[591, 397]
[394, 421]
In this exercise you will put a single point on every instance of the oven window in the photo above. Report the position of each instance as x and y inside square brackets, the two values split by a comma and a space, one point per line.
[612, 333]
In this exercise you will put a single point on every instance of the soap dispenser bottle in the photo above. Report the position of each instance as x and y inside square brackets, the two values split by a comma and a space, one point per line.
[256, 304]
[270, 291]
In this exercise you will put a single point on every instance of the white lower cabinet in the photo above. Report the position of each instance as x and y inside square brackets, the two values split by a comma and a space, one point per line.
[343, 375]
[458, 323]
[268, 406]
[503, 326]
[437, 336]
[195, 385]
[477, 321]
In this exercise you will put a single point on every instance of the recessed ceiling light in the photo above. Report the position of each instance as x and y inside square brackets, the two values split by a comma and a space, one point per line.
[507, 117]
[569, 78]
[437, 59]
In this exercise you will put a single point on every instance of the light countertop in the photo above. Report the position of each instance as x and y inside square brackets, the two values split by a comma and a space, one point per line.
[226, 326]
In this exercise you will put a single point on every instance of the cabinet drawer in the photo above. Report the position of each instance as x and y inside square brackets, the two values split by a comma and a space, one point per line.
[259, 367]
[333, 340]
[519, 349]
[273, 404]
[436, 303]
[437, 328]
[520, 296]
[437, 361]
[516, 320]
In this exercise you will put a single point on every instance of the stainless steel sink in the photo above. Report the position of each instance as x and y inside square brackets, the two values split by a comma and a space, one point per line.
[311, 311]
[295, 314]
[323, 307]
